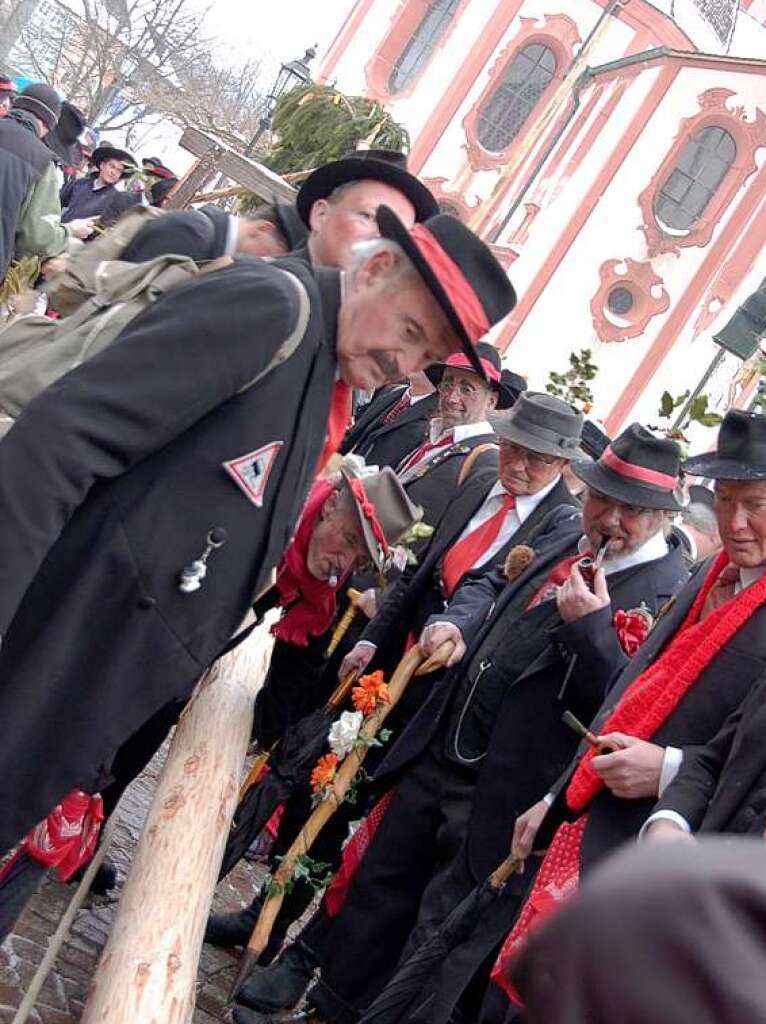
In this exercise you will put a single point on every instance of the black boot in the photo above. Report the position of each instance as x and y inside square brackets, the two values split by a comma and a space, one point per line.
[104, 879]
[280, 985]
[228, 930]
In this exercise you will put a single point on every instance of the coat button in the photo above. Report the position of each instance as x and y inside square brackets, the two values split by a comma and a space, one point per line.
[147, 602]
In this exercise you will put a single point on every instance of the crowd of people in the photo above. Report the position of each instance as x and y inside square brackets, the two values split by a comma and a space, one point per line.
[266, 434]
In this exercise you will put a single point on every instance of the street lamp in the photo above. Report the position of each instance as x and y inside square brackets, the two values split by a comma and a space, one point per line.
[290, 75]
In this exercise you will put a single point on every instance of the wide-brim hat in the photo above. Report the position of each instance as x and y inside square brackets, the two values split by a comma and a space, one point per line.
[636, 468]
[386, 165]
[701, 495]
[460, 272]
[740, 450]
[385, 511]
[542, 423]
[109, 152]
[291, 227]
[162, 188]
[507, 385]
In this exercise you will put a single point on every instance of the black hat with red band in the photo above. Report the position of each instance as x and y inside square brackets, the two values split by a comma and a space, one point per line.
[507, 385]
[636, 468]
[460, 272]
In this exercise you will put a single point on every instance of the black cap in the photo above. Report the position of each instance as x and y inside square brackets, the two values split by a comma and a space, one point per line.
[41, 100]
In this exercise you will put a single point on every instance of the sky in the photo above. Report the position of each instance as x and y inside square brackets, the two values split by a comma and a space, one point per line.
[282, 34]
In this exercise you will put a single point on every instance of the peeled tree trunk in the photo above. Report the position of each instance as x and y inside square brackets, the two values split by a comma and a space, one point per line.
[148, 969]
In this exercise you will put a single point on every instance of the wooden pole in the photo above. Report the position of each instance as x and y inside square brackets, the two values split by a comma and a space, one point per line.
[148, 969]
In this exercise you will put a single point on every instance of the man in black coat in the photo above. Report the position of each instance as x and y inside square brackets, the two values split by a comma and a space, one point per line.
[613, 809]
[195, 437]
[491, 730]
[534, 480]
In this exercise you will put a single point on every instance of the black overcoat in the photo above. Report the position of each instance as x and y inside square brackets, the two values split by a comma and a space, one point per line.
[723, 787]
[387, 444]
[110, 481]
[718, 691]
[199, 234]
[418, 593]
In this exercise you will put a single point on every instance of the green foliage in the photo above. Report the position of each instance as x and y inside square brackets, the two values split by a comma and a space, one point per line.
[316, 873]
[698, 412]
[573, 386]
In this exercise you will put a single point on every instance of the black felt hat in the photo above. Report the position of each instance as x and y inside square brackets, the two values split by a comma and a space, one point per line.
[740, 452]
[106, 151]
[290, 225]
[636, 468]
[386, 165]
[507, 385]
[460, 272]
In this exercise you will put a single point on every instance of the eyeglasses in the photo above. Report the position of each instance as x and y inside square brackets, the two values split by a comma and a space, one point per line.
[627, 510]
[531, 458]
[463, 387]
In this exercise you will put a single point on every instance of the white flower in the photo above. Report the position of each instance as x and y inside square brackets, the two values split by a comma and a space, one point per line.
[345, 732]
[397, 558]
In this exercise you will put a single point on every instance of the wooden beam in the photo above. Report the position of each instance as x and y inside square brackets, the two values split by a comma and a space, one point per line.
[241, 169]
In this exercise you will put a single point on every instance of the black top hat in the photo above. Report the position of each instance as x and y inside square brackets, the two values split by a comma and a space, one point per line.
[740, 452]
[63, 140]
[106, 151]
[290, 225]
[543, 424]
[505, 383]
[386, 165]
[384, 509]
[699, 495]
[594, 440]
[636, 468]
[460, 272]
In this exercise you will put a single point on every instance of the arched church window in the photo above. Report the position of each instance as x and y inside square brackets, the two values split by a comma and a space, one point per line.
[511, 102]
[420, 46]
[694, 179]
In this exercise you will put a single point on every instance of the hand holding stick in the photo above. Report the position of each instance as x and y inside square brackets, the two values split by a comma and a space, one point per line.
[590, 737]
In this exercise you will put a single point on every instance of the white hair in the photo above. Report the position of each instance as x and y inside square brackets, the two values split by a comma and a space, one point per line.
[363, 252]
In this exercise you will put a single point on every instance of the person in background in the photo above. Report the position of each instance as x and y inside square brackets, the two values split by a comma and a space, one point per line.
[91, 196]
[30, 211]
[697, 526]
[7, 95]
[64, 140]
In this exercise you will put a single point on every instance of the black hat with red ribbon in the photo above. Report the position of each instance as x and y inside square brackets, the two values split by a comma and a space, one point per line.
[508, 385]
[460, 272]
[636, 468]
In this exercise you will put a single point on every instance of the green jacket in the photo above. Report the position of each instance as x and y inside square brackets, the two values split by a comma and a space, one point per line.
[39, 231]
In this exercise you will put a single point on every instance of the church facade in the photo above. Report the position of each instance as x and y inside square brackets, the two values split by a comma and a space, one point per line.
[617, 168]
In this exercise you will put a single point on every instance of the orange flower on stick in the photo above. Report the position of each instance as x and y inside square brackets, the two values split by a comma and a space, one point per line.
[324, 773]
[371, 692]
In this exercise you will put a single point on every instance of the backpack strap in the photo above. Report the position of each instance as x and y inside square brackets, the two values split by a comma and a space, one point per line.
[294, 338]
[468, 465]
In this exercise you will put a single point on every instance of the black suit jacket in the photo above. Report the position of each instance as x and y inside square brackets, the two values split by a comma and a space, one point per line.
[418, 593]
[198, 234]
[110, 481]
[387, 444]
[718, 691]
[722, 788]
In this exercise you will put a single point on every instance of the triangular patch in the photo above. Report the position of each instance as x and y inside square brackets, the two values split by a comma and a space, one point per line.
[251, 472]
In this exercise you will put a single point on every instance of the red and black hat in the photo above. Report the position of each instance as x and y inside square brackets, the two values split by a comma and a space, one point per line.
[386, 165]
[7, 87]
[507, 385]
[460, 272]
[636, 468]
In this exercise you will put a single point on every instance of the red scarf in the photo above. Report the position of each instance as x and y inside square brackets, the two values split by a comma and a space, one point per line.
[644, 707]
[313, 601]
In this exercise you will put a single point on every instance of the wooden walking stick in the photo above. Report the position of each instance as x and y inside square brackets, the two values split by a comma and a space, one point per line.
[330, 802]
[345, 623]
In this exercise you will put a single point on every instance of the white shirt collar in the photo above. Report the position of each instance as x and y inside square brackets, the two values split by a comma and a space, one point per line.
[414, 399]
[462, 432]
[652, 549]
[749, 576]
[525, 503]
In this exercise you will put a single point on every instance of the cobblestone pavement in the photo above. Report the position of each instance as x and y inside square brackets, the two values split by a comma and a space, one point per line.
[64, 993]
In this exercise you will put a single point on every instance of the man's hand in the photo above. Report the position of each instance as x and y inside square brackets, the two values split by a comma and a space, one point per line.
[525, 830]
[367, 602]
[357, 659]
[575, 599]
[438, 633]
[666, 831]
[82, 228]
[633, 770]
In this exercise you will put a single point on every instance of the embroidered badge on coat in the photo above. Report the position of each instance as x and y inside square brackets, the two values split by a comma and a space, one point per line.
[251, 472]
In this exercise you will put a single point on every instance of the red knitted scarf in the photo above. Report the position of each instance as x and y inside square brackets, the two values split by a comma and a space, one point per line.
[313, 601]
[654, 695]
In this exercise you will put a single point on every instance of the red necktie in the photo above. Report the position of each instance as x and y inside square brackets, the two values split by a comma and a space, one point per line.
[468, 551]
[559, 574]
[424, 450]
[337, 422]
[398, 407]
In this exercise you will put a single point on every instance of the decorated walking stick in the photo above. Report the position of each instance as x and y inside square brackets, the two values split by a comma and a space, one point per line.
[333, 794]
[345, 623]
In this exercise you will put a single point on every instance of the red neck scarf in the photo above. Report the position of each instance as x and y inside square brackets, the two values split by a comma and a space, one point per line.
[653, 696]
[313, 602]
